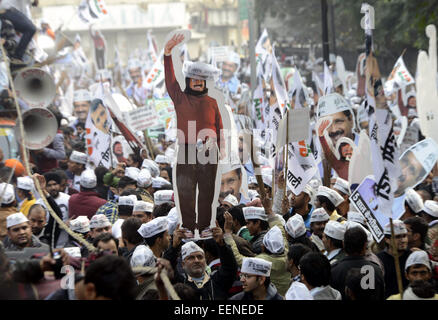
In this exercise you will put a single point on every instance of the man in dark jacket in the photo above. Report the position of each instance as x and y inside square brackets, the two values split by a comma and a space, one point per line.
[87, 201]
[355, 245]
[214, 286]
[387, 257]
[255, 277]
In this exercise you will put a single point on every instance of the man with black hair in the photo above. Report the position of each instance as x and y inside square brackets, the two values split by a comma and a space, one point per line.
[130, 237]
[156, 235]
[353, 288]
[64, 184]
[387, 256]
[417, 232]
[106, 241]
[255, 276]
[53, 187]
[162, 210]
[417, 269]
[355, 246]
[294, 255]
[95, 285]
[239, 223]
[315, 274]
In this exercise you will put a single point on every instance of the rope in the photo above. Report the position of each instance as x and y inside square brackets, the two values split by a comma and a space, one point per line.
[152, 270]
[61, 223]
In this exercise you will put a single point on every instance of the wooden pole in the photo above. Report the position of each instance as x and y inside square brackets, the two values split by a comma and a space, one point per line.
[396, 260]
[259, 177]
[286, 151]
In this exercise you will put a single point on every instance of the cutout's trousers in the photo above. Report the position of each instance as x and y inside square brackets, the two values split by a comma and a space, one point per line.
[190, 173]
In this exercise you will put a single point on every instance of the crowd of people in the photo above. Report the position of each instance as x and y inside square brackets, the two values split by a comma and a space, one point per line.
[122, 230]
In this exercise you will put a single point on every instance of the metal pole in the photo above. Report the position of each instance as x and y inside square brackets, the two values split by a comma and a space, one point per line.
[325, 41]
[332, 26]
[251, 47]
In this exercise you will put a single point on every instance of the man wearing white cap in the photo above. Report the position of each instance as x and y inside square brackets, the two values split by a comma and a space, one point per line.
[24, 189]
[255, 276]
[195, 106]
[387, 256]
[229, 202]
[99, 223]
[343, 188]
[302, 204]
[208, 286]
[228, 81]
[81, 105]
[329, 200]
[79, 225]
[76, 165]
[332, 238]
[87, 201]
[137, 89]
[144, 185]
[156, 235]
[124, 207]
[143, 210]
[20, 234]
[318, 221]
[8, 206]
[162, 161]
[430, 214]
[296, 232]
[417, 269]
[413, 204]
[257, 224]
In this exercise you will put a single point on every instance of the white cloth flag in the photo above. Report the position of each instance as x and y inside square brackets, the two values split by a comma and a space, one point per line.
[152, 54]
[279, 86]
[257, 104]
[317, 80]
[156, 75]
[399, 75]
[92, 11]
[98, 136]
[328, 80]
[385, 159]
[263, 55]
[301, 166]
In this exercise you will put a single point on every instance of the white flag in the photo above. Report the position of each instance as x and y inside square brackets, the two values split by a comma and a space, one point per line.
[301, 166]
[156, 75]
[399, 75]
[279, 86]
[98, 135]
[328, 80]
[385, 159]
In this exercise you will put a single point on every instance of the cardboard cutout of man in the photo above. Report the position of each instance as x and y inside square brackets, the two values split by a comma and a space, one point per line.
[199, 126]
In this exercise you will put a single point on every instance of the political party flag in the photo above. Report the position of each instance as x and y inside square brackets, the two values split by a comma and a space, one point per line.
[399, 76]
[90, 11]
[156, 75]
[98, 127]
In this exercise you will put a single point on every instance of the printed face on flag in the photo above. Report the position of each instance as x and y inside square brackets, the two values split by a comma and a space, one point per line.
[99, 117]
[416, 163]
[342, 126]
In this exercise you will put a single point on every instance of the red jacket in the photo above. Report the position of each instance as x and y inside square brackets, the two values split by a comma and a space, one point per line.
[84, 203]
[202, 109]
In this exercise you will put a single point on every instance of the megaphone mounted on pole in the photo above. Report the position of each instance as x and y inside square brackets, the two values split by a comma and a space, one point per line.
[35, 87]
[40, 128]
